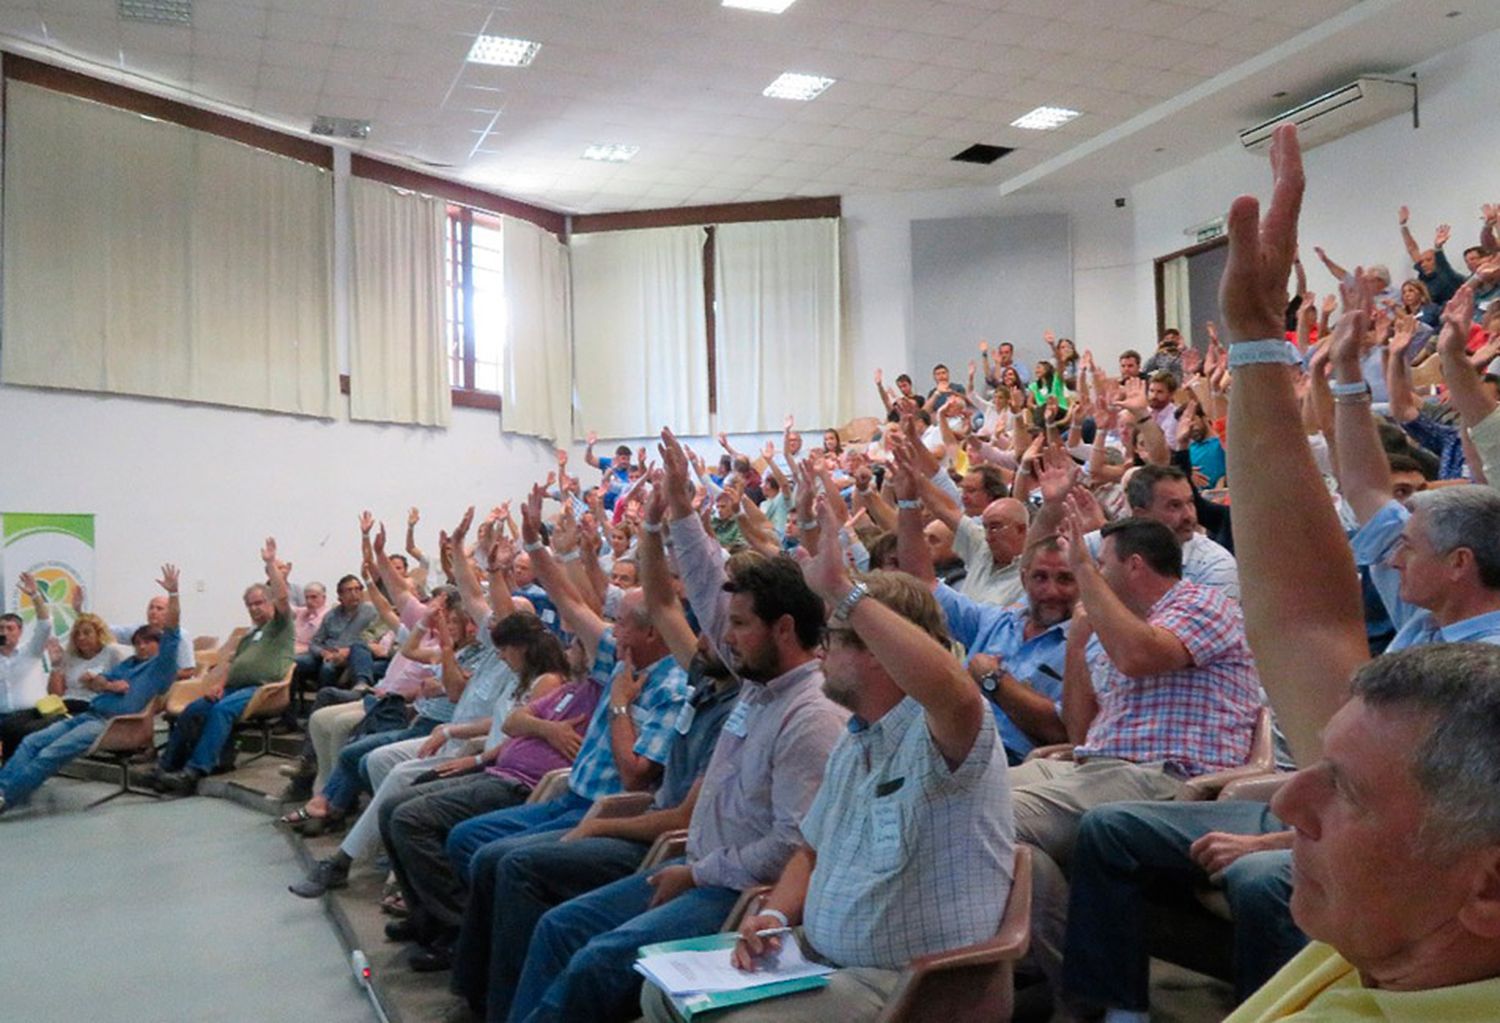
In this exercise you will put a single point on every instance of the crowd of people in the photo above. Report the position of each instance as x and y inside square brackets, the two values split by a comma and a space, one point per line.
[1029, 608]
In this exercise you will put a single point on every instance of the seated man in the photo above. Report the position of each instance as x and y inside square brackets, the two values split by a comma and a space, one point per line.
[156, 618]
[126, 688]
[626, 745]
[1394, 848]
[765, 770]
[328, 650]
[909, 848]
[261, 657]
[533, 879]
[1160, 686]
[309, 615]
[990, 546]
[23, 670]
[616, 470]
[1015, 654]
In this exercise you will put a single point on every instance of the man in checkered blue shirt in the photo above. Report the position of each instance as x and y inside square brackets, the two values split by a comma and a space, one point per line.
[626, 745]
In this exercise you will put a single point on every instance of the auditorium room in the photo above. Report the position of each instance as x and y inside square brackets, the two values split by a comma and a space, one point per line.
[750, 511]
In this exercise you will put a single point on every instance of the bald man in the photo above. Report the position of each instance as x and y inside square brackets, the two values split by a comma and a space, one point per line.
[991, 551]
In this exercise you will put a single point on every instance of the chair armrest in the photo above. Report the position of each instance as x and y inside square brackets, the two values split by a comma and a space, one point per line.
[1057, 751]
[747, 905]
[270, 698]
[622, 804]
[668, 845]
[1257, 789]
[185, 692]
[552, 785]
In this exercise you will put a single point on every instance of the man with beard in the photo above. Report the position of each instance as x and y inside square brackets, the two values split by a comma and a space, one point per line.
[765, 770]
[909, 846]
[1016, 654]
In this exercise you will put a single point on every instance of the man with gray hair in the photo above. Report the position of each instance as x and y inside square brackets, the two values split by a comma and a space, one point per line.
[1435, 560]
[1396, 812]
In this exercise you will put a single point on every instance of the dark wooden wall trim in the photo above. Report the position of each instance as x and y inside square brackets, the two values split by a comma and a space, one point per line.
[416, 181]
[34, 72]
[726, 213]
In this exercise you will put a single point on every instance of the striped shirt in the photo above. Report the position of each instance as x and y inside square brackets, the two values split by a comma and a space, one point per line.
[913, 857]
[1195, 719]
[654, 712]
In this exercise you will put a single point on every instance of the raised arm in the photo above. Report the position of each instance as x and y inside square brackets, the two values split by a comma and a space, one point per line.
[1338, 272]
[418, 571]
[1397, 373]
[469, 588]
[1465, 387]
[923, 669]
[588, 452]
[577, 615]
[1413, 250]
[1364, 474]
[398, 588]
[656, 582]
[280, 597]
[1303, 612]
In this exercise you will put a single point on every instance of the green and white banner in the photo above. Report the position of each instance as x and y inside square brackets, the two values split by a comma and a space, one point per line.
[58, 550]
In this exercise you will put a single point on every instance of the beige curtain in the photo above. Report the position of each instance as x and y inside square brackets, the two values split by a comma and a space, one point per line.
[398, 364]
[1176, 309]
[537, 385]
[640, 334]
[778, 324]
[147, 258]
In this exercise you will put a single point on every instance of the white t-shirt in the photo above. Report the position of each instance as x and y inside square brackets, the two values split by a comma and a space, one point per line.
[74, 668]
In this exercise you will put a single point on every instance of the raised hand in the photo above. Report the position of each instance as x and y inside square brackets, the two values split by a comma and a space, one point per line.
[769, 451]
[1444, 232]
[1253, 290]
[879, 377]
[170, 577]
[1358, 300]
[723, 439]
[379, 544]
[1132, 397]
[366, 522]
[1403, 215]
[1057, 475]
[1458, 315]
[531, 515]
[77, 598]
[562, 457]
[827, 573]
[592, 439]
[461, 530]
[413, 516]
[28, 586]
[984, 348]
[268, 551]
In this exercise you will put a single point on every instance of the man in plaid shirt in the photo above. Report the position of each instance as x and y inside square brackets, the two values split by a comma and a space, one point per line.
[1159, 686]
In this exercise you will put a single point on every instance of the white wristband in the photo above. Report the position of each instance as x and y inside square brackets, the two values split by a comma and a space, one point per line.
[778, 914]
[531, 547]
[1271, 350]
[650, 527]
[1339, 389]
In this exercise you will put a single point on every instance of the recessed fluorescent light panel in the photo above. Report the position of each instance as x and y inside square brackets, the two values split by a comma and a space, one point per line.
[503, 51]
[795, 86]
[1045, 118]
[158, 12]
[768, 6]
[610, 152]
[341, 127]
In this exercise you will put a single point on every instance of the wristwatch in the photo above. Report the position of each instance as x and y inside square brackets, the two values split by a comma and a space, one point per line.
[990, 683]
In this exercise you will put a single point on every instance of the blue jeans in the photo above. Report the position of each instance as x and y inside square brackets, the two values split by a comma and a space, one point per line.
[344, 781]
[476, 848]
[535, 879]
[1122, 850]
[579, 965]
[41, 754]
[218, 717]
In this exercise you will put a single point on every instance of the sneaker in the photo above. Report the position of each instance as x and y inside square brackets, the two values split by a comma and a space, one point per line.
[324, 875]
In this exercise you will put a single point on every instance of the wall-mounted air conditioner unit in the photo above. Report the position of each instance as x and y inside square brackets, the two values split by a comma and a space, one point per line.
[1362, 102]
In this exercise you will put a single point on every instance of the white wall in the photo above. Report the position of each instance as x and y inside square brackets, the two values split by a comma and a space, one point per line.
[877, 252]
[1442, 170]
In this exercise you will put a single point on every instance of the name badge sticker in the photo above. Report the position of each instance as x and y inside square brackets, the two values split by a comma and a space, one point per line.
[737, 723]
[886, 816]
[562, 704]
[685, 718]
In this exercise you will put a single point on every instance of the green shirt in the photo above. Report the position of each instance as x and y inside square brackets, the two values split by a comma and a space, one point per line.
[263, 655]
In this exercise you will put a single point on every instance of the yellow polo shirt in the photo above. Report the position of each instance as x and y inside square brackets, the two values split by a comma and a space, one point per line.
[1318, 986]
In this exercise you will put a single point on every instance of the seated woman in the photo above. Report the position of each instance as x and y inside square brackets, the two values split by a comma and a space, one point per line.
[87, 655]
[522, 661]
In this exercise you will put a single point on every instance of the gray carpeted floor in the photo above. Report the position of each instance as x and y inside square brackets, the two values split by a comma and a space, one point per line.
[159, 913]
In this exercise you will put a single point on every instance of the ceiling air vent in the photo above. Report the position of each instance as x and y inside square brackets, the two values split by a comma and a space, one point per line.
[341, 127]
[157, 12]
[981, 153]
